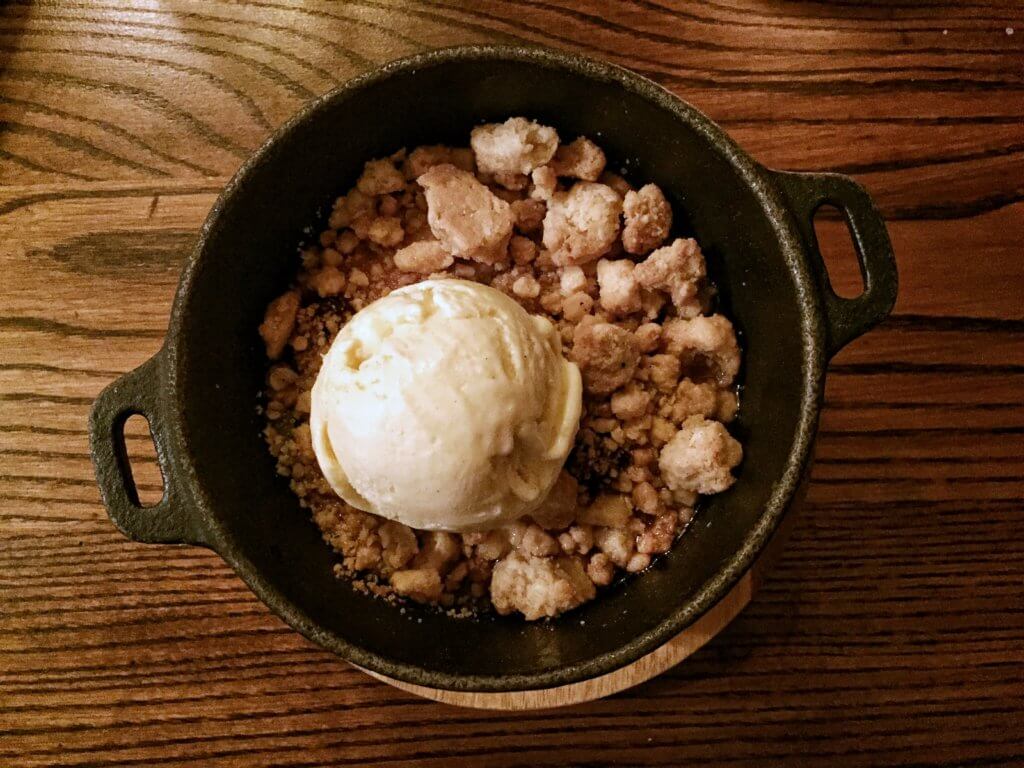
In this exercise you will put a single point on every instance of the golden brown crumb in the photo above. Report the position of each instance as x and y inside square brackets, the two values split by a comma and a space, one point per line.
[700, 457]
[424, 257]
[631, 402]
[421, 584]
[607, 356]
[648, 336]
[658, 538]
[522, 249]
[582, 223]
[380, 177]
[512, 182]
[601, 569]
[452, 192]
[678, 269]
[620, 292]
[278, 323]
[616, 182]
[515, 146]
[526, 287]
[529, 215]
[538, 587]
[544, 183]
[399, 544]
[422, 159]
[386, 231]
[648, 219]
[576, 306]
[582, 159]
[708, 341]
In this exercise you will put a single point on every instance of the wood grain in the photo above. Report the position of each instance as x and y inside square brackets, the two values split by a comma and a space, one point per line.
[891, 631]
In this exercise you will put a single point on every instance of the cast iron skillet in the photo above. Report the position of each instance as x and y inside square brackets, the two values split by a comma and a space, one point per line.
[199, 393]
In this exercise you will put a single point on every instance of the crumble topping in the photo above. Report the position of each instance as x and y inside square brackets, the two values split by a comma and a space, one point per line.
[551, 227]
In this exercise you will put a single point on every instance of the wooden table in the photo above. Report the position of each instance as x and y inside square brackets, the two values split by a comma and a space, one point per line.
[892, 631]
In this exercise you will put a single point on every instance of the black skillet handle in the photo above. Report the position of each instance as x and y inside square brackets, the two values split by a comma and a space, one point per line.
[170, 520]
[845, 319]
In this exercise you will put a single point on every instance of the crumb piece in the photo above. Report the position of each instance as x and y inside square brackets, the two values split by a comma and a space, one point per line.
[545, 183]
[616, 182]
[648, 219]
[658, 537]
[700, 457]
[350, 207]
[620, 293]
[399, 544]
[529, 215]
[645, 498]
[536, 543]
[678, 269]
[727, 404]
[424, 257]
[422, 159]
[708, 341]
[582, 159]
[579, 539]
[582, 223]
[512, 182]
[694, 400]
[387, 205]
[609, 510]
[522, 250]
[279, 322]
[536, 587]
[572, 280]
[576, 306]
[601, 569]
[439, 551]
[607, 356]
[346, 242]
[386, 231]
[516, 146]
[358, 278]
[492, 545]
[648, 336]
[551, 302]
[526, 287]
[644, 457]
[638, 562]
[380, 177]
[456, 576]
[630, 402]
[652, 302]
[416, 226]
[662, 430]
[421, 584]
[618, 544]
[663, 371]
[465, 216]
[281, 377]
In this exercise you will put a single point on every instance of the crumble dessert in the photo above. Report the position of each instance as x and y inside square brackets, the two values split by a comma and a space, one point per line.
[549, 226]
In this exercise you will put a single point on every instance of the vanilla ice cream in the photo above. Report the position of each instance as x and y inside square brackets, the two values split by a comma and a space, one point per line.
[445, 405]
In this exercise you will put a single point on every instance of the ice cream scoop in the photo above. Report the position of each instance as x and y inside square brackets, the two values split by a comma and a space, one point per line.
[445, 405]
